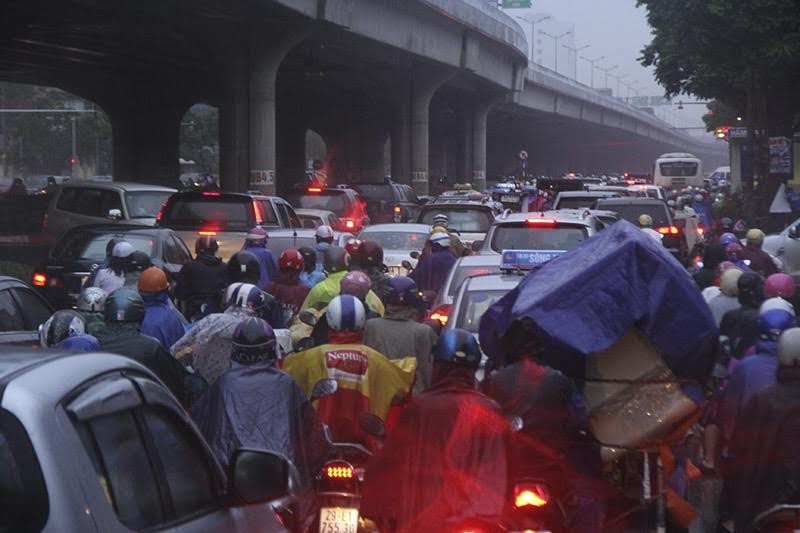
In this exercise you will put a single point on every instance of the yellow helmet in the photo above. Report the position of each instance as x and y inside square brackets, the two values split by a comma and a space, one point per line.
[755, 236]
[645, 221]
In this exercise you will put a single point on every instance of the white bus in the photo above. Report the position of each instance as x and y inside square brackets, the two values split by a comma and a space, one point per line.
[678, 170]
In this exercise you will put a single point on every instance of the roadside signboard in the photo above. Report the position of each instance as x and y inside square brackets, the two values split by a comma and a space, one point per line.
[517, 4]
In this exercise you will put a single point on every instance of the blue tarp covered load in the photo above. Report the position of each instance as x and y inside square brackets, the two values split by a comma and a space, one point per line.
[586, 299]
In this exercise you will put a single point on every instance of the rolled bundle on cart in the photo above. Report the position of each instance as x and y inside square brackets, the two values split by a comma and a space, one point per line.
[622, 317]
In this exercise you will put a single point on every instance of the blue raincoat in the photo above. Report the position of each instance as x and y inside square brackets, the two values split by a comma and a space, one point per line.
[79, 343]
[432, 270]
[268, 268]
[161, 320]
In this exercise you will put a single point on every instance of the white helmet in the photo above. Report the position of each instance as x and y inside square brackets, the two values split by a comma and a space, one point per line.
[122, 249]
[442, 239]
[789, 347]
[776, 303]
[346, 313]
[244, 295]
[92, 299]
[728, 284]
[324, 232]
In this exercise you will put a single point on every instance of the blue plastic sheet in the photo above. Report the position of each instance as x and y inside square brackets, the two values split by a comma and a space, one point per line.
[586, 299]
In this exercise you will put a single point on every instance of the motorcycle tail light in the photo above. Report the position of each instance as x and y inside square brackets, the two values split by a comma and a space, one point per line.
[668, 230]
[39, 279]
[338, 471]
[529, 495]
[441, 314]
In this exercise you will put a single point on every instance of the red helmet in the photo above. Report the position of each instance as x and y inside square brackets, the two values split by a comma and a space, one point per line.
[291, 260]
[370, 253]
[352, 247]
[779, 286]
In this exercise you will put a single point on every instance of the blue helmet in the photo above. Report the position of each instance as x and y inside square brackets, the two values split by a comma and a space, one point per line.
[458, 346]
[727, 238]
[402, 291]
[775, 316]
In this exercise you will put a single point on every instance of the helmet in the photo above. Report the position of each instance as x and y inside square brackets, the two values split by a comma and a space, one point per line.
[403, 291]
[111, 244]
[257, 235]
[122, 249]
[355, 283]
[62, 324]
[138, 261]
[754, 236]
[352, 247]
[153, 280]
[206, 244]
[458, 346]
[291, 260]
[442, 239]
[727, 238]
[324, 233]
[733, 250]
[92, 299]
[726, 222]
[699, 198]
[245, 295]
[309, 257]
[346, 313]
[370, 254]
[124, 305]
[789, 347]
[440, 219]
[244, 267]
[671, 203]
[253, 340]
[729, 282]
[779, 286]
[750, 287]
[335, 259]
[645, 221]
[775, 316]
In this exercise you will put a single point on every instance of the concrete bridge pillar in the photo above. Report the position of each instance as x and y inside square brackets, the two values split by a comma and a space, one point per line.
[480, 118]
[424, 85]
[234, 122]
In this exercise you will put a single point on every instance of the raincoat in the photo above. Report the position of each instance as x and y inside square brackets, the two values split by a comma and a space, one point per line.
[290, 292]
[268, 269]
[94, 321]
[207, 346]
[741, 325]
[368, 382]
[79, 343]
[161, 320]
[445, 460]
[326, 290]
[432, 270]
[310, 279]
[760, 261]
[108, 280]
[199, 282]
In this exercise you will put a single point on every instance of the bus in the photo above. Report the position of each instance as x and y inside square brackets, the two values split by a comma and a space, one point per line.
[678, 170]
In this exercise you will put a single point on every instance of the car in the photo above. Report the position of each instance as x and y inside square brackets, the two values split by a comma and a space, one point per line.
[632, 208]
[621, 190]
[59, 278]
[283, 239]
[22, 311]
[785, 246]
[649, 191]
[389, 201]
[314, 218]
[345, 202]
[226, 216]
[76, 203]
[94, 442]
[516, 200]
[463, 268]
[470, 219]
[580, 199]
[398, 241]
[560, 230]
[41, 183]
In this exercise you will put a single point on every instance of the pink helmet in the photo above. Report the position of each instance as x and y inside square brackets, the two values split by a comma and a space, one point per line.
[356, 283]
[779, 286]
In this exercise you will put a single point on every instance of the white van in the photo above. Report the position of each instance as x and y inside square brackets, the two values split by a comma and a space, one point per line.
[678, 170]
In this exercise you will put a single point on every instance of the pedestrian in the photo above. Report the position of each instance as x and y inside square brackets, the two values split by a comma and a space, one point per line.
[760, 261]
[728, 297]
[90, 305]
[287, 288]
[66, 330]
[256, 243]
[310, 276]
[201, 280]
[398, 334]
[161, 320]
[431, 270]
[112, 277]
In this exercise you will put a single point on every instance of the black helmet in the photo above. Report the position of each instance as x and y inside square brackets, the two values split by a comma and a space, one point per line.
[253, 340]
[138, 261]
[206, 244]
[458, 346]
[370, 254]
[335, 259]
[309, 257]
[244, 267]
[751, 289]
[62, 324]
[124, 305]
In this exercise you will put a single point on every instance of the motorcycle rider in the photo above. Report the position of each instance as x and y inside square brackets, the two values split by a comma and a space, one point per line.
[124, 312]
[310, 276]
[324, 238]
[255, 242]
[445, 459]
[369, 256]
[766, 452]
[336, 261]
[112, 277]
[398, 334]
[90, 305]
[161, 320]
[727, 299]
[244, 267]
[66, 330]
[200, 280]
[103, 264]
[760, 261]
[137, 263]
[713, 255]
[287, 288]
[356, 284]
[432, 269]
[741, 325]
[368, 382]
[646, 223]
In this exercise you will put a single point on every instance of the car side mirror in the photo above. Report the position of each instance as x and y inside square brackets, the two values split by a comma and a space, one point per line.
[414, 254]
[259, 476]
[794, 232]
[476, 245]
[324, 387]
[114, 214]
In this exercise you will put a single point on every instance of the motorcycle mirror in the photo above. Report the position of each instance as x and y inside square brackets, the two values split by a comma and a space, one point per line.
[414, 254]
[405, 263]
[371, 424]
[515, 422]
[324, 387]
[307, 318]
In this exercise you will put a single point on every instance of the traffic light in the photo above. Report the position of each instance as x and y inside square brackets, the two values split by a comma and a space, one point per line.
[721, 133]
[73, 161]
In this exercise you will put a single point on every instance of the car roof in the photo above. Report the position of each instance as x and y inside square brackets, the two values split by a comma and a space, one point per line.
[561, 216]
[631, 200]
[115, 185]
[118, 228]
[478, 261]
[15, 361]
[585, 194]
[400, 227]
[11, 282]
[491, 282]
[455, 203]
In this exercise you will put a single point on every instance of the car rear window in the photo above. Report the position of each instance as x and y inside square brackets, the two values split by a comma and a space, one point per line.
[473, 306]
[631, 212]
[525, 237]
[223, 213]
[396, 240]
[335, 201]
[463, 219]
[376, 192]
[576, 202]
[145, 204]
[91, 245]
[463, 272]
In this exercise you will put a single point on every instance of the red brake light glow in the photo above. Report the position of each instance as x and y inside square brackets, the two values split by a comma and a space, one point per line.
[258, 212]
[441, 314]
[211, 193]
[339, 472]
[668, 230]
[160, 213]
[531, 495]
[39, 280]
[549, 222]
[349, 224]
[315, 189]
[700, 231]
[397, 209]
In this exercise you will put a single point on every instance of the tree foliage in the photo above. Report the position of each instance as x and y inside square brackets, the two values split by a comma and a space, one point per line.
[200, 137]
[720, 115]
[734, 51]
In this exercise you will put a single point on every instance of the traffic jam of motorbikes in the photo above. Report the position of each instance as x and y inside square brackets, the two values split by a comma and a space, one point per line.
[554, 354]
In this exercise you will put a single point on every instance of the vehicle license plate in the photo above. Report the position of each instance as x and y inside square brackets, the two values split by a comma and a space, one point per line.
[338, 520]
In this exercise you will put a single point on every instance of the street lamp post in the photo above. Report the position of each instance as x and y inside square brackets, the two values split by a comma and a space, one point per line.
[534, 22]
[619, 79]
[607, 70]
[575, 55]
[591, 64]
[631, 86]
[555, 38]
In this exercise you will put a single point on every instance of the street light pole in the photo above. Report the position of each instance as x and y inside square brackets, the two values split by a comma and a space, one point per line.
[534, 22]
[619, 79]
[555, 38]
[591, 64]
[607, 70]
[74, 157]
[575, 55]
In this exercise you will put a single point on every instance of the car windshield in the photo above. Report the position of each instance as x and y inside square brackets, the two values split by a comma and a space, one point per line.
[396, 240]
[678, 168]
[631, 212]
[145, 204]
[90, 245]
[463, 219]
[462, 272]
[223, 213]
[327, 200]
[473, 306]
[524, 237]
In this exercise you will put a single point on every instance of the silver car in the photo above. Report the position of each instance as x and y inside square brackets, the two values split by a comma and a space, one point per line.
[93, 442]
[398, 242]
[785, 249]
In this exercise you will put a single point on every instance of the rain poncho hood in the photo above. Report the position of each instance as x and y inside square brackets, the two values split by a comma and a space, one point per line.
[161, 320]
[267, 267]
[586, 299]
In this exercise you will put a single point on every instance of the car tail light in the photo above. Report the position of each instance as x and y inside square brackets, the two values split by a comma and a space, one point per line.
[545, 222]
[531, 495]
[338, 471]
[398, 209]
[315, 189]
[207, 233]
[258, 212]
[441, 313]
[668, 230]
[39, 279]
[160, 213]
[349, 224]
[700, 232]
